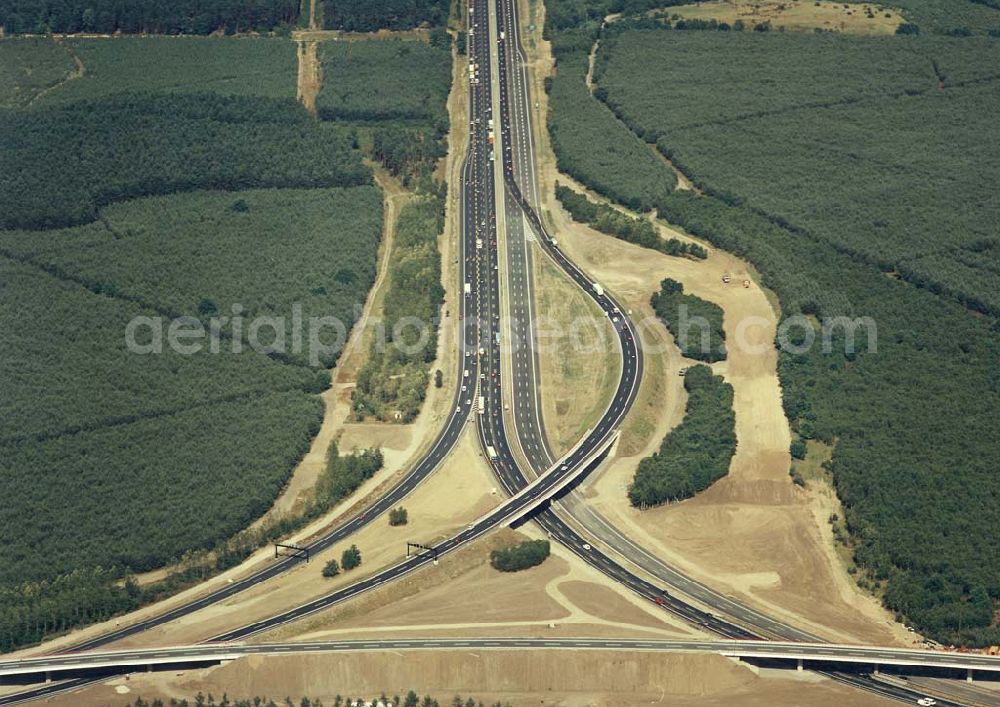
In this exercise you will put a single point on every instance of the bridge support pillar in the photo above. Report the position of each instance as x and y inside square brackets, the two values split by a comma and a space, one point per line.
[968, 675]
[48, 676]
[798, 665]
[875, 671]
[149, 668]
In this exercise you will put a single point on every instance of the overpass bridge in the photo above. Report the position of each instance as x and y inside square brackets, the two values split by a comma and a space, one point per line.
[789, 654]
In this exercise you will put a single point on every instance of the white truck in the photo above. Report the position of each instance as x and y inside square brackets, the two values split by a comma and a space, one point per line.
[482, 405]
[491, 453]
[468, 288]
[598, 289]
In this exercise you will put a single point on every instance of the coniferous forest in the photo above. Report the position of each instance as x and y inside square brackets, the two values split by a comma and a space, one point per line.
[856, 189]
[147, 179]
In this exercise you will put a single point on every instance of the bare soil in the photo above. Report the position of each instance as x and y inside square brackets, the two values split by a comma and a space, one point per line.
[754, 534]
[800, 15]
[520, 678]
[310, 74]
[465, 597]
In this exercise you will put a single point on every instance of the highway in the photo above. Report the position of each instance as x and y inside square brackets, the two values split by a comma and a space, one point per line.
[478, 268]
[521, 186]
[476, 216]
[519, 158]
[480, 375]
[815, 652]
[521, 170]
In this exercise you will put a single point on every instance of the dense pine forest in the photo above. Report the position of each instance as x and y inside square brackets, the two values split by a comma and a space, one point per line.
[854, 191]
[695, 324]
[146, 16]
[147, 178]
[370, 15]
[697, 452]
[212, 16]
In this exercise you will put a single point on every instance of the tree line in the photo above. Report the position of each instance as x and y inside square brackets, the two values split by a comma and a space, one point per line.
[608, 220]
[342, 475]
[371, 15]
[146, 16]
[696, 453]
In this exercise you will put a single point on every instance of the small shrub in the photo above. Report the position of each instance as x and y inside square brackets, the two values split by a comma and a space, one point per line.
[398, 516]
[351, 558]
[331, 569]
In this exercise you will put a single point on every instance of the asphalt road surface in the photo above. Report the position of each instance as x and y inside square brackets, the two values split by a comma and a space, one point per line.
[776, 650]
[519, 169]
[480, 312]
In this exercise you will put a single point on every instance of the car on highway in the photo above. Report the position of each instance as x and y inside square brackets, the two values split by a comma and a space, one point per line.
[926, 702]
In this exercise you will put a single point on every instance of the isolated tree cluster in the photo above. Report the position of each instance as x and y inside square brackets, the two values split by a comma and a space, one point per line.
[910, 456]
[521, 556]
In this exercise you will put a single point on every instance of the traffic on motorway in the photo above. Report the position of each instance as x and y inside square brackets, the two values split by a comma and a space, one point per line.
[480, 308]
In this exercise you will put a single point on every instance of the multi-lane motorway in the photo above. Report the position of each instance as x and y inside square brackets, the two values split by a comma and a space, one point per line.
[520, 183]
[520, 173]
[494, 181]
[806, 652]
[479, 373]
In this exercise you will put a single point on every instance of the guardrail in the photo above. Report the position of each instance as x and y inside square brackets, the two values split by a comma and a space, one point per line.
[49, 666]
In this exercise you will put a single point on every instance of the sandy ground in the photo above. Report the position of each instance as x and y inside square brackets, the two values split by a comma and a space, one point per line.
[310, 75]
[579, 364]
[519, 678]
[754, 534]
[799, 15]
[465, 596]
[312, 15]
[335, 35]
[461, 490]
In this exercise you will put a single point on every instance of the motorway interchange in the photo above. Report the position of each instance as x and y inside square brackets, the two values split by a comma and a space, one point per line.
[499, 197]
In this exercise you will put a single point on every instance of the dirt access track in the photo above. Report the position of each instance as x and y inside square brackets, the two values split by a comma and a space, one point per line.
[754, 535]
